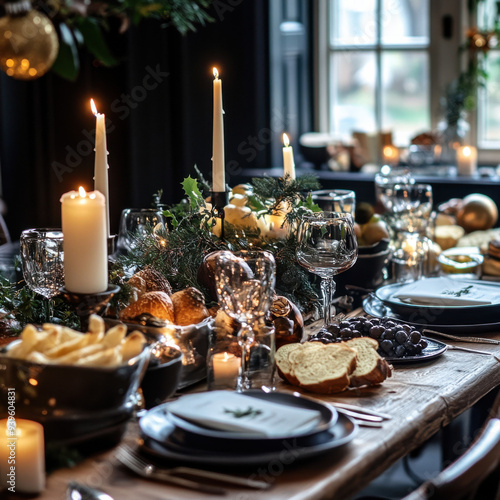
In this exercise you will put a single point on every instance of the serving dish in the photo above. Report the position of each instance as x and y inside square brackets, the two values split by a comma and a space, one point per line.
[72, 401]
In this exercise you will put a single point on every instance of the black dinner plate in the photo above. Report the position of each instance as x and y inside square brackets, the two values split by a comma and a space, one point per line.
[433, 350]
[157, 424]
[376, 308]
[289, 451]
[440, 314]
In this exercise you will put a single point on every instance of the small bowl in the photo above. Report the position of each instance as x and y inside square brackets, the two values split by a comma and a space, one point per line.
[461, 261]
[71, 401]
[163, 374]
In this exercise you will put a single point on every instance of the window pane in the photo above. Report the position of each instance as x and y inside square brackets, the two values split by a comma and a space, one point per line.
[405, 94]
[352, 22]
[352, 80]
[405, 22]
[486, 14]
[489, 104]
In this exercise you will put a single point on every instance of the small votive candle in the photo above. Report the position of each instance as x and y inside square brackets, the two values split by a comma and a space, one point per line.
[22, 456]
[226, 367]
[466, 160]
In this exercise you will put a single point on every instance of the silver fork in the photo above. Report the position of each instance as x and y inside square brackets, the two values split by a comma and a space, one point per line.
[130, 455]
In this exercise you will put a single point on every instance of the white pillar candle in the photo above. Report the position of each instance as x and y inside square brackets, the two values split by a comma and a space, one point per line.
[22, 456]
[466, 160]
[101, 159]
[288, 161]
[218, 174]
[226, 367]
[85, 241]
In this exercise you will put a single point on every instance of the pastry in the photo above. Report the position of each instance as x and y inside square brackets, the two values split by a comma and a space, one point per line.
[157, 304]
[189, 307]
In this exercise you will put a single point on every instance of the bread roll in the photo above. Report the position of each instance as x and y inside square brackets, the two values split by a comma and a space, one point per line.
[149, 280]
[158, 304]
[189, 307]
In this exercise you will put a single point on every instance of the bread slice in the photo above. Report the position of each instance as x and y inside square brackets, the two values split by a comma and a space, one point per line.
[316, 367]
[371, 368]
[325, 370]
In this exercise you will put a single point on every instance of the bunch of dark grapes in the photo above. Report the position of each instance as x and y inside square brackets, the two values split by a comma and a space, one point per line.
[395, 340]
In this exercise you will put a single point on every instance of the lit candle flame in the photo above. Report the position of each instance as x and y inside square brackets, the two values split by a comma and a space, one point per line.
[216, 74]
[227, 356]
[466, 151]
[82, 192]
[93, 107]
[286, 141]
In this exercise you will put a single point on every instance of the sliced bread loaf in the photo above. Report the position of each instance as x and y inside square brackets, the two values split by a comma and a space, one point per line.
[371, 368]
[326, 370]
[316, 367]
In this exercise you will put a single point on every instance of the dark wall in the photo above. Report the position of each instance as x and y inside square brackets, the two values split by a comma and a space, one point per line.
[158, 103]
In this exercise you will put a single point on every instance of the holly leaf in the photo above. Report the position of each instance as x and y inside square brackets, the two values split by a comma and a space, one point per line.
[169, 214]
[190, 187]
[311, 205]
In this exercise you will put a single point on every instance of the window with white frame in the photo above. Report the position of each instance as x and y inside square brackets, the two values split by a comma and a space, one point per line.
[384, 65]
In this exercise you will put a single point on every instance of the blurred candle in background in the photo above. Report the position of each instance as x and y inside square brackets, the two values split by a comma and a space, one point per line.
[390, 155]
[466, 160]
[288, 161]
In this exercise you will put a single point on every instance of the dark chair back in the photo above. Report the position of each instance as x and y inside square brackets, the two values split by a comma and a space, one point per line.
[473, 476]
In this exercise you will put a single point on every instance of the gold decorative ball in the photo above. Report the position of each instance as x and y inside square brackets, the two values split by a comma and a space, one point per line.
[28, 45]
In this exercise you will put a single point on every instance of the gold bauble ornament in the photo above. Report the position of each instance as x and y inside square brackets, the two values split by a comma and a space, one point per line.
[28, 42]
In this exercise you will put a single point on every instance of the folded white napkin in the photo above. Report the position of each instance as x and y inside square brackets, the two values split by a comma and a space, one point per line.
[234, 412]
[447, 292]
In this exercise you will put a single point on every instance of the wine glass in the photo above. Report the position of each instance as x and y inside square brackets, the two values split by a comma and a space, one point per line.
[385, 181]
[335, 200]
[326, 246]
[411, 207]
[245, 286]
[42, 261]
[135, 223]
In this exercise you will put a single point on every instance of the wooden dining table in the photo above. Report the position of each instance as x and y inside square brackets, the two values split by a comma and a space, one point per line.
[420, 397]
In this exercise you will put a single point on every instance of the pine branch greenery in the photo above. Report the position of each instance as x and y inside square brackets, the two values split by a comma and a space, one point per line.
[179, 252]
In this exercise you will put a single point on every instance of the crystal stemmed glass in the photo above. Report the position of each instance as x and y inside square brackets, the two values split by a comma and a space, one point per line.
[411, 207]
[245, 286]
[42, 261]
[135, 223]
[326, 246]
